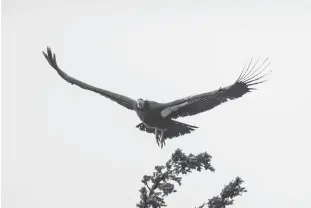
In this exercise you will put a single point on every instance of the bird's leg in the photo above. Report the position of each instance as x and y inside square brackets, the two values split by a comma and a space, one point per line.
[162, 138]
[156, 135]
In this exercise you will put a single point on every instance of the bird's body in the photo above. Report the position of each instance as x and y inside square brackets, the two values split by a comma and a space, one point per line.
[153, 122]
[149, 114]
[158, 118]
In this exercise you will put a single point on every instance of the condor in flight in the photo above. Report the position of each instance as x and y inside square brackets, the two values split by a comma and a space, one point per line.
[158, 118]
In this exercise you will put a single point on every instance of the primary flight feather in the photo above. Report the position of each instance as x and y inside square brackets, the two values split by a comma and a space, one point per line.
[158, 118]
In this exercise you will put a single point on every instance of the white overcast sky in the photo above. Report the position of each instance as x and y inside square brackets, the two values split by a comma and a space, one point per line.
[65, 147]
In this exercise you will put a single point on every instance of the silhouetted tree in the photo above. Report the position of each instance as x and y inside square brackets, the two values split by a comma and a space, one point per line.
[163, 180]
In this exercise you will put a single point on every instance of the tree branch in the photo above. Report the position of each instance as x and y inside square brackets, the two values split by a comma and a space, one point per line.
[161, 183]
[230, 191]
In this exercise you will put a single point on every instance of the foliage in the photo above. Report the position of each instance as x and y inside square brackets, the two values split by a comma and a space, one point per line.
[162, 182]
[226, 196]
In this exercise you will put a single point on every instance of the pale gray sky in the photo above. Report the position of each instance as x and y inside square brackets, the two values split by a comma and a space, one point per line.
[66, 147]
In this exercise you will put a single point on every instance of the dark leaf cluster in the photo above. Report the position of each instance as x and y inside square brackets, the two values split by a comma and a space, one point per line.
[227, 195]
[163, 180]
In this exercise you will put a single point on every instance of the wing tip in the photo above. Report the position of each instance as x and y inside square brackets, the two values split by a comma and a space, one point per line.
[253, 74]
[50, 57]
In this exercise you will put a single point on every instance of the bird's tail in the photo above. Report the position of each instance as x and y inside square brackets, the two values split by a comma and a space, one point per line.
[175, 129]
[178, 129]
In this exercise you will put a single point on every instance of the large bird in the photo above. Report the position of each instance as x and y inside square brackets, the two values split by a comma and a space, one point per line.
[158, 118]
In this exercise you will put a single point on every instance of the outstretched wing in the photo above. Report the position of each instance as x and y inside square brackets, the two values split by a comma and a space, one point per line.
[122, 100]
[252, 75]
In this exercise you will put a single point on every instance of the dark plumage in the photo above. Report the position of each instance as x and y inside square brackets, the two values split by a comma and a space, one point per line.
[157, 118]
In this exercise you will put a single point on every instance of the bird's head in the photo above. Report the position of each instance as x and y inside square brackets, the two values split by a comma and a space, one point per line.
[140, 103]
